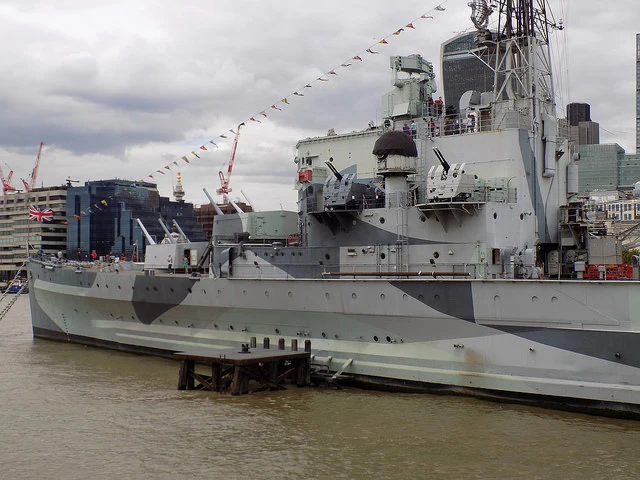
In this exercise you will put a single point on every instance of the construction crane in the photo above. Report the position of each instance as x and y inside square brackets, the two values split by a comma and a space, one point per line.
[224, 181]
[6, 182]
[28, 186]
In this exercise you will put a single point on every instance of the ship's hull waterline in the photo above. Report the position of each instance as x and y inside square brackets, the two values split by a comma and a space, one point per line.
[566, 343]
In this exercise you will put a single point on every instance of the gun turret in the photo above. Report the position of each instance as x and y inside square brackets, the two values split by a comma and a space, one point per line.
[443, 162]
[334, 170]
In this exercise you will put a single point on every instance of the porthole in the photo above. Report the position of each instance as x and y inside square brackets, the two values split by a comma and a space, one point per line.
[375, 338]
[326, 295]
[388, 339]
[423, 218]
[382, 220]
[277, 330]
[289, 294]
[230, 327]
[324, 335]
[244, 292]
[382, 296]
[171, 289]
[383, 256]
[496, 298]
[327, 256]
[266, 293]
[495, 215]
[354, 296]
[534, 298]
[436, 255]
[554, 299]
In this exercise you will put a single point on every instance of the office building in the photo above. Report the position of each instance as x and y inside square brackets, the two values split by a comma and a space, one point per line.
[103, 216]
[462, 70]
[20, 231]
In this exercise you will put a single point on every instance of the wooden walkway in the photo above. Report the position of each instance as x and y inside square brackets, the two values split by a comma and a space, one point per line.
[231, 371]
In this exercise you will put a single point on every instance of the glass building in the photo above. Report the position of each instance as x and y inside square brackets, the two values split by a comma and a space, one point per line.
[103, 216]
[462, 70]
[599, 166]
[637, 93]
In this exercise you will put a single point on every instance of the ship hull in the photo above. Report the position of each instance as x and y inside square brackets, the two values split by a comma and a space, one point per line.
[561, 343]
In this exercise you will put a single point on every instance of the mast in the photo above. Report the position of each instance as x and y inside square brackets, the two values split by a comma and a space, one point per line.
[523, 96]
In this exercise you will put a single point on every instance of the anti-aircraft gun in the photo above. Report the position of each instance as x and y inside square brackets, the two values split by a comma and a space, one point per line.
[342, 192]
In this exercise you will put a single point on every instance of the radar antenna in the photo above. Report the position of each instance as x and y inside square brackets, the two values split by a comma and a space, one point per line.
[480, 12]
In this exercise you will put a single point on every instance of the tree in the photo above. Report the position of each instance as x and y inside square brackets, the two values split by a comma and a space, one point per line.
[628, 254]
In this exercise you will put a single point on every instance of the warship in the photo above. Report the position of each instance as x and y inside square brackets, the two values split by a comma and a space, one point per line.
[453, 255]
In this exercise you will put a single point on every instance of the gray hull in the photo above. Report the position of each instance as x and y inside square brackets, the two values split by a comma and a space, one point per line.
[565, 343]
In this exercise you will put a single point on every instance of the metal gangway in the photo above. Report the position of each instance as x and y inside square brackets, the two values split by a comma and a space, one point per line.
[13, 297]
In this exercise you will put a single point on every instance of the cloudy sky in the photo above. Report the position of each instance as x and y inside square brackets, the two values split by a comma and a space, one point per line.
[125, 88]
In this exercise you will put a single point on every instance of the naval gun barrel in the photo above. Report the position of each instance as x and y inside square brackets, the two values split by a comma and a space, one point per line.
[443, 162]
[334, 170]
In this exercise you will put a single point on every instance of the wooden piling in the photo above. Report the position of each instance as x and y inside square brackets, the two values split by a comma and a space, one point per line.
[233, 370]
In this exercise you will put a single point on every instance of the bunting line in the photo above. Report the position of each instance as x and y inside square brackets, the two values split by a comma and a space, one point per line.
[325, 77]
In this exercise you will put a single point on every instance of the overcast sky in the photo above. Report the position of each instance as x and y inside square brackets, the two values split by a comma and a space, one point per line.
[126, 88]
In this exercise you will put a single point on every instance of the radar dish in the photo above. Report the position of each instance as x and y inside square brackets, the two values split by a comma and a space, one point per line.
[480, 12]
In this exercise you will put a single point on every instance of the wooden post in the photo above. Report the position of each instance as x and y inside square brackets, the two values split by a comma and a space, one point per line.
[252, 342]
[307, 346]
[216, 376]
[294, 344]
[281, 344]
[265, 343]
[302, 367]
[185, 377]
[237, 382]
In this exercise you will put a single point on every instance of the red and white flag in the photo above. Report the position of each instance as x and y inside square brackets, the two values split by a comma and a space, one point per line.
[40, 215]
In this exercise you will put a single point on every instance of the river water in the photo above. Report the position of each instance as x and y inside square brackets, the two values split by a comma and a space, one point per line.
[74, 412]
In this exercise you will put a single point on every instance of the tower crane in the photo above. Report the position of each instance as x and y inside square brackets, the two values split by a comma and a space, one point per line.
[28, 186]
[224, 181]
[6, 182]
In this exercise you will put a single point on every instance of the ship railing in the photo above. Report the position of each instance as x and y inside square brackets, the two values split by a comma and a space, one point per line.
[438, 270]
[480, 121]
